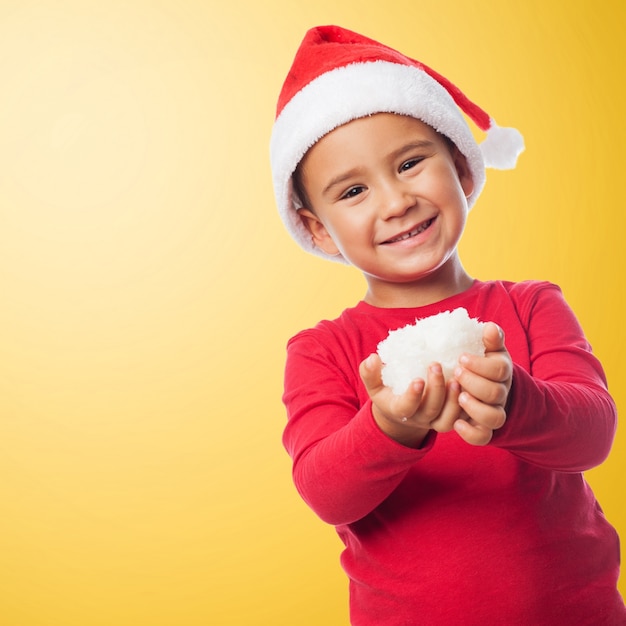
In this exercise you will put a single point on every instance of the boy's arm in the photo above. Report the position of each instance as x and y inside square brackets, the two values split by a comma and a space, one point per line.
[559, 415]
[344, 465]
[564, 426]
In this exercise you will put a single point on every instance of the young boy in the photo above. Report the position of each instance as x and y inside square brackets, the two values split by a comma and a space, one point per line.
[459, 502]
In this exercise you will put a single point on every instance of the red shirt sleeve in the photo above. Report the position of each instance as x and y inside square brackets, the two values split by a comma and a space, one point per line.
[344, 466]
[560, 414]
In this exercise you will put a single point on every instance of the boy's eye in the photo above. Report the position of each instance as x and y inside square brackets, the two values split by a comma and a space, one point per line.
[407, 165]
[353, 191]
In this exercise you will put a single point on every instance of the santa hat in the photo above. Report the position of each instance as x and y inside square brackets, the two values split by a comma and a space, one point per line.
[338, 76]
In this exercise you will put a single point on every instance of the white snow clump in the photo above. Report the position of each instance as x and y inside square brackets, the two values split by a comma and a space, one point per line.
[407, 352]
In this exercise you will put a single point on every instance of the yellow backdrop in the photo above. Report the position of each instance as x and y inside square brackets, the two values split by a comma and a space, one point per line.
[147, 287]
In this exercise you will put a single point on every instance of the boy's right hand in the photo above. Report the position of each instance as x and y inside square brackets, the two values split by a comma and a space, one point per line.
[425, 405]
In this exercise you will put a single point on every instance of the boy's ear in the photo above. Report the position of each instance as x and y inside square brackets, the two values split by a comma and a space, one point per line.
[321, 237]
[464, 173]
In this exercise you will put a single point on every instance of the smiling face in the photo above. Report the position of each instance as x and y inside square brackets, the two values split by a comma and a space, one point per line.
[389, 194]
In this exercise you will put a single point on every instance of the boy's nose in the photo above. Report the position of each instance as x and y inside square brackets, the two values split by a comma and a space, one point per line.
[395, 200]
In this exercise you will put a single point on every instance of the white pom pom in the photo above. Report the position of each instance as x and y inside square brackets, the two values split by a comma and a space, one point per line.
[502, 147]
[407, 352]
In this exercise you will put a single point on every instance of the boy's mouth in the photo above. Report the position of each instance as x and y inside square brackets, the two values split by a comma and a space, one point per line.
[412, 233]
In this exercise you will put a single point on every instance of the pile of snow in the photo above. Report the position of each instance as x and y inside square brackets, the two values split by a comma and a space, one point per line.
[407, 352]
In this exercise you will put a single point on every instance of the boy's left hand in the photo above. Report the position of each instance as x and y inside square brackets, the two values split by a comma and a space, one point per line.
[485, 383]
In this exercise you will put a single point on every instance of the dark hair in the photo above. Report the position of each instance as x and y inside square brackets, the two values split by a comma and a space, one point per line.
[298, 187]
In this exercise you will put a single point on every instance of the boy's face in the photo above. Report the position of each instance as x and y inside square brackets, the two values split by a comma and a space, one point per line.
[390, 195]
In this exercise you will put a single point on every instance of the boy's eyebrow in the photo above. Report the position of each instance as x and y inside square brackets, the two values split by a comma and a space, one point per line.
[341, 178]
[422, 144]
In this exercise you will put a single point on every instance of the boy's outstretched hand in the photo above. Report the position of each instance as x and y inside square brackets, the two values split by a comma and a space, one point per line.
[472, 403]
[485, 383]
[425, 405]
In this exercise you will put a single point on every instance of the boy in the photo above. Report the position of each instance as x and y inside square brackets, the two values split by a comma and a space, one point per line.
[459, 502]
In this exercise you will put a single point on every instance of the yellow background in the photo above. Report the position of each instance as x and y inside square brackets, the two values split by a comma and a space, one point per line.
[147, 287]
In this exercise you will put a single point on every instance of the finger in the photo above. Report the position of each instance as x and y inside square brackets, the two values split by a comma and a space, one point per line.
[472, 433]
[483, 388]
[493, 337]
[434, 395]
[451, 410]
[495, 366]
[370, 371]
[407, 404]
[496, 362]
[487, 415]
[390, 405]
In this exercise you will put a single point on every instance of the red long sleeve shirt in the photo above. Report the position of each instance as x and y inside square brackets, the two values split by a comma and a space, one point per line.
[508, 533]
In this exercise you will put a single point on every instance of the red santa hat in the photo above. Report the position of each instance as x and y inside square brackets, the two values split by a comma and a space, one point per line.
[338, 76]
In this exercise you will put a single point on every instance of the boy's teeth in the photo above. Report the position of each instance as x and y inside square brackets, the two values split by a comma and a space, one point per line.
[413, 232]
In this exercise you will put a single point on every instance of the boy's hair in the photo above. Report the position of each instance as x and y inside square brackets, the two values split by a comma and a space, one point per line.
[338, 76]
[299, 193]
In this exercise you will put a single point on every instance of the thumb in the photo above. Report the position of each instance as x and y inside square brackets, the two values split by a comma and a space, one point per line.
[493, 337]
[371, 373]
